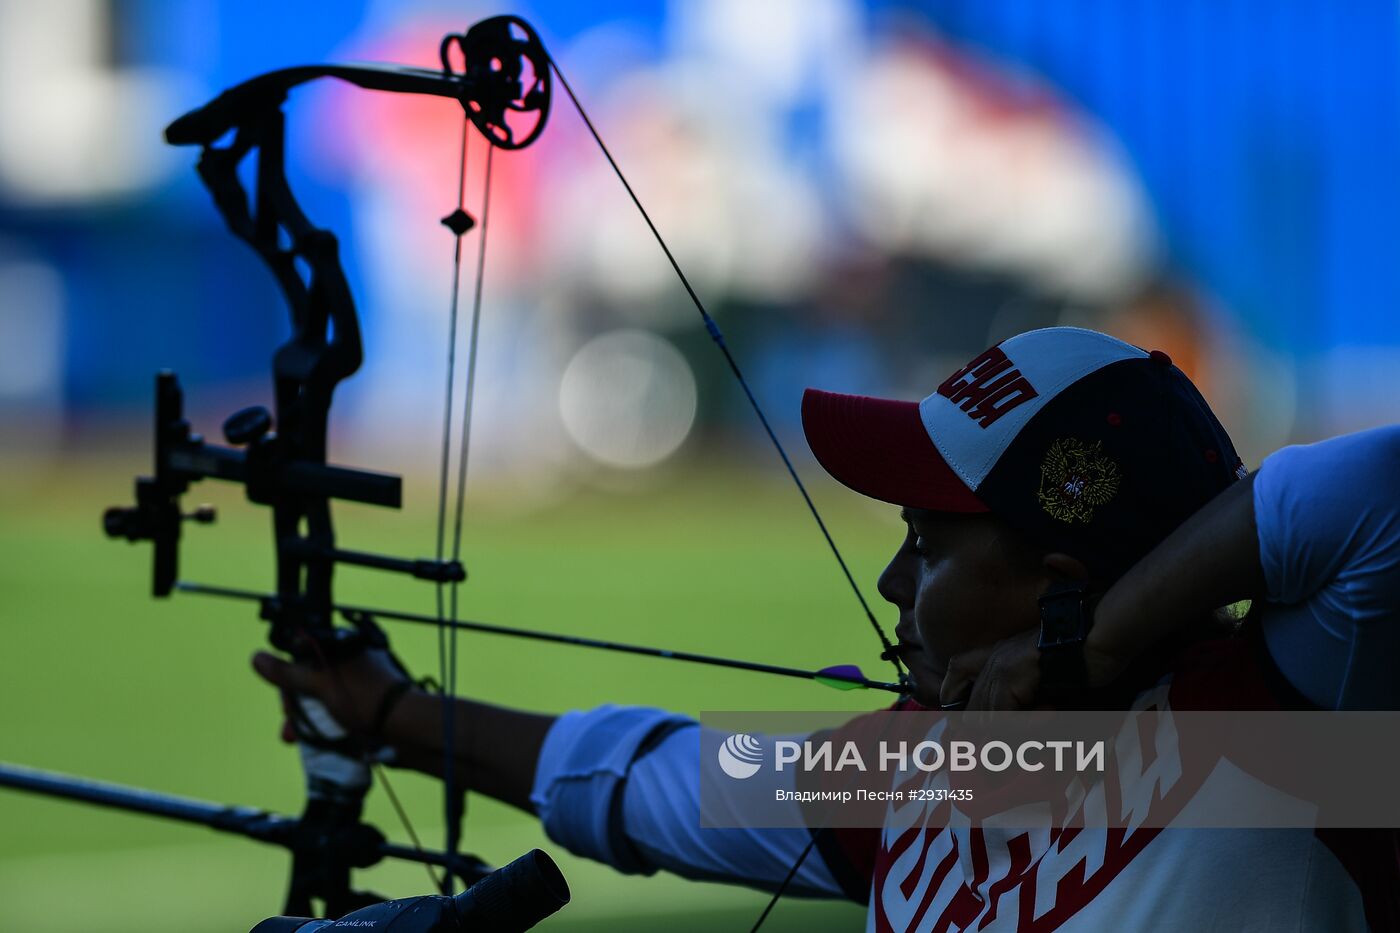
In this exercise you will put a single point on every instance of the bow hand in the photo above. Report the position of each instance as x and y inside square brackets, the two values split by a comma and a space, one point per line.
[353, 690]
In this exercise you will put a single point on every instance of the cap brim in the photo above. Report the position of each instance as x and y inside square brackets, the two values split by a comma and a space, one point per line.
[879, 448]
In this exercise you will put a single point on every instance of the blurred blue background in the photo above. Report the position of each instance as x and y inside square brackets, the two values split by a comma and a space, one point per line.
[866, 193]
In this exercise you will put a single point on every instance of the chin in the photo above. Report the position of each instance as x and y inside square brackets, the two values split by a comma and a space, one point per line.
[926, 689]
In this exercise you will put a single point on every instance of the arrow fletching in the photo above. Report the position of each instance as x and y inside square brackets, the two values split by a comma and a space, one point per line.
[841, 677]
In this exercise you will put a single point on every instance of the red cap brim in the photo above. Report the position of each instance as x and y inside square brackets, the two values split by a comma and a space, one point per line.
[879, 448]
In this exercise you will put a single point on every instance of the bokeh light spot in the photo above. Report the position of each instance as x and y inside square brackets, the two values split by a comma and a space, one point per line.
[628, 399]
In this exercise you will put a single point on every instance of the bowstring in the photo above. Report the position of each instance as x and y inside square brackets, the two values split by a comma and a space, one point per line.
[787, 880]
[712, 327]
[446, 674]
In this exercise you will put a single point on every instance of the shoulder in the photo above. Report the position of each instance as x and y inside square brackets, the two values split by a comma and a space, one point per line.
[1233, 673]
[1359, 467]
[1362, 451]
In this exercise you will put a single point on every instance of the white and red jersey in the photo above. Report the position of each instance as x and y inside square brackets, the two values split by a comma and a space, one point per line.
[621, 784]
[930, 871]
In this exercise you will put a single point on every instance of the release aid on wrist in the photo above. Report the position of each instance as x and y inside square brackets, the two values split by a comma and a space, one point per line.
[1065, 620]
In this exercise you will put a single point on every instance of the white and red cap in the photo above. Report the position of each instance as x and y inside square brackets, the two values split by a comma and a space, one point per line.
[1089, 444]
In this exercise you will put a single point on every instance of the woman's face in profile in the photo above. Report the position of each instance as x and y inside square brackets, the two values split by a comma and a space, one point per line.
[959, 582]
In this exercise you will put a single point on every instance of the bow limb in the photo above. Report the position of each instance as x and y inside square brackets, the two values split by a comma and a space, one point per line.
[504, 70]
[206, 124]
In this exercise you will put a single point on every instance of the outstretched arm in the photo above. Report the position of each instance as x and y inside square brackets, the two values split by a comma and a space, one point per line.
[619, 785]
[497, 749]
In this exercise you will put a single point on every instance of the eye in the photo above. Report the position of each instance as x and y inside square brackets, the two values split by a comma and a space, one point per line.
[919, 544]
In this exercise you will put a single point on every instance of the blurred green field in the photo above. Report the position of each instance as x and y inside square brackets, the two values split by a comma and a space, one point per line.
[98, 679]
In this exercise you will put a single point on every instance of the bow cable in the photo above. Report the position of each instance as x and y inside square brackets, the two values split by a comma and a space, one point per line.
[456, 800]
[451, 807]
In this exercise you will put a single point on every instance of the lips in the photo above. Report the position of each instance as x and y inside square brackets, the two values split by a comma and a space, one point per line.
[925, 669]
[907, 634]
[908, 650]
[916, 659]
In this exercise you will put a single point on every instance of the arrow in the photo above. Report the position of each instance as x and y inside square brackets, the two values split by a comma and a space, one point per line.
[838, 677]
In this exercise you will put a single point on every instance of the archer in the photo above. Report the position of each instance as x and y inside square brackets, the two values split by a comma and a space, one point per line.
[1075, 515]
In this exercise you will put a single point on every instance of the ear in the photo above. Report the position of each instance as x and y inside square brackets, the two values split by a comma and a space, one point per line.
[1063, 567]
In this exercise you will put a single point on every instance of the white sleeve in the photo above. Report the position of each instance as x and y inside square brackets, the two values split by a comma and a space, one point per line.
[621, 785]
[661, 817]
[580, 775]
[1328, 518]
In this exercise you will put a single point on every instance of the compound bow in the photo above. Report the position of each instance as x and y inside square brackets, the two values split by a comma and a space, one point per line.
[501, 74]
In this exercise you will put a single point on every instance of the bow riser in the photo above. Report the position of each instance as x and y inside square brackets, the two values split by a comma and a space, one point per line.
[286, 469]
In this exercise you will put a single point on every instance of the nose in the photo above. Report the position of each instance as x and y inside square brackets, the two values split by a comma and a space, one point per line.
[896, 583]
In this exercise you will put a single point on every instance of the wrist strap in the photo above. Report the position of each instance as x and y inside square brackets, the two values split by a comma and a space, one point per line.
[391, 699]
